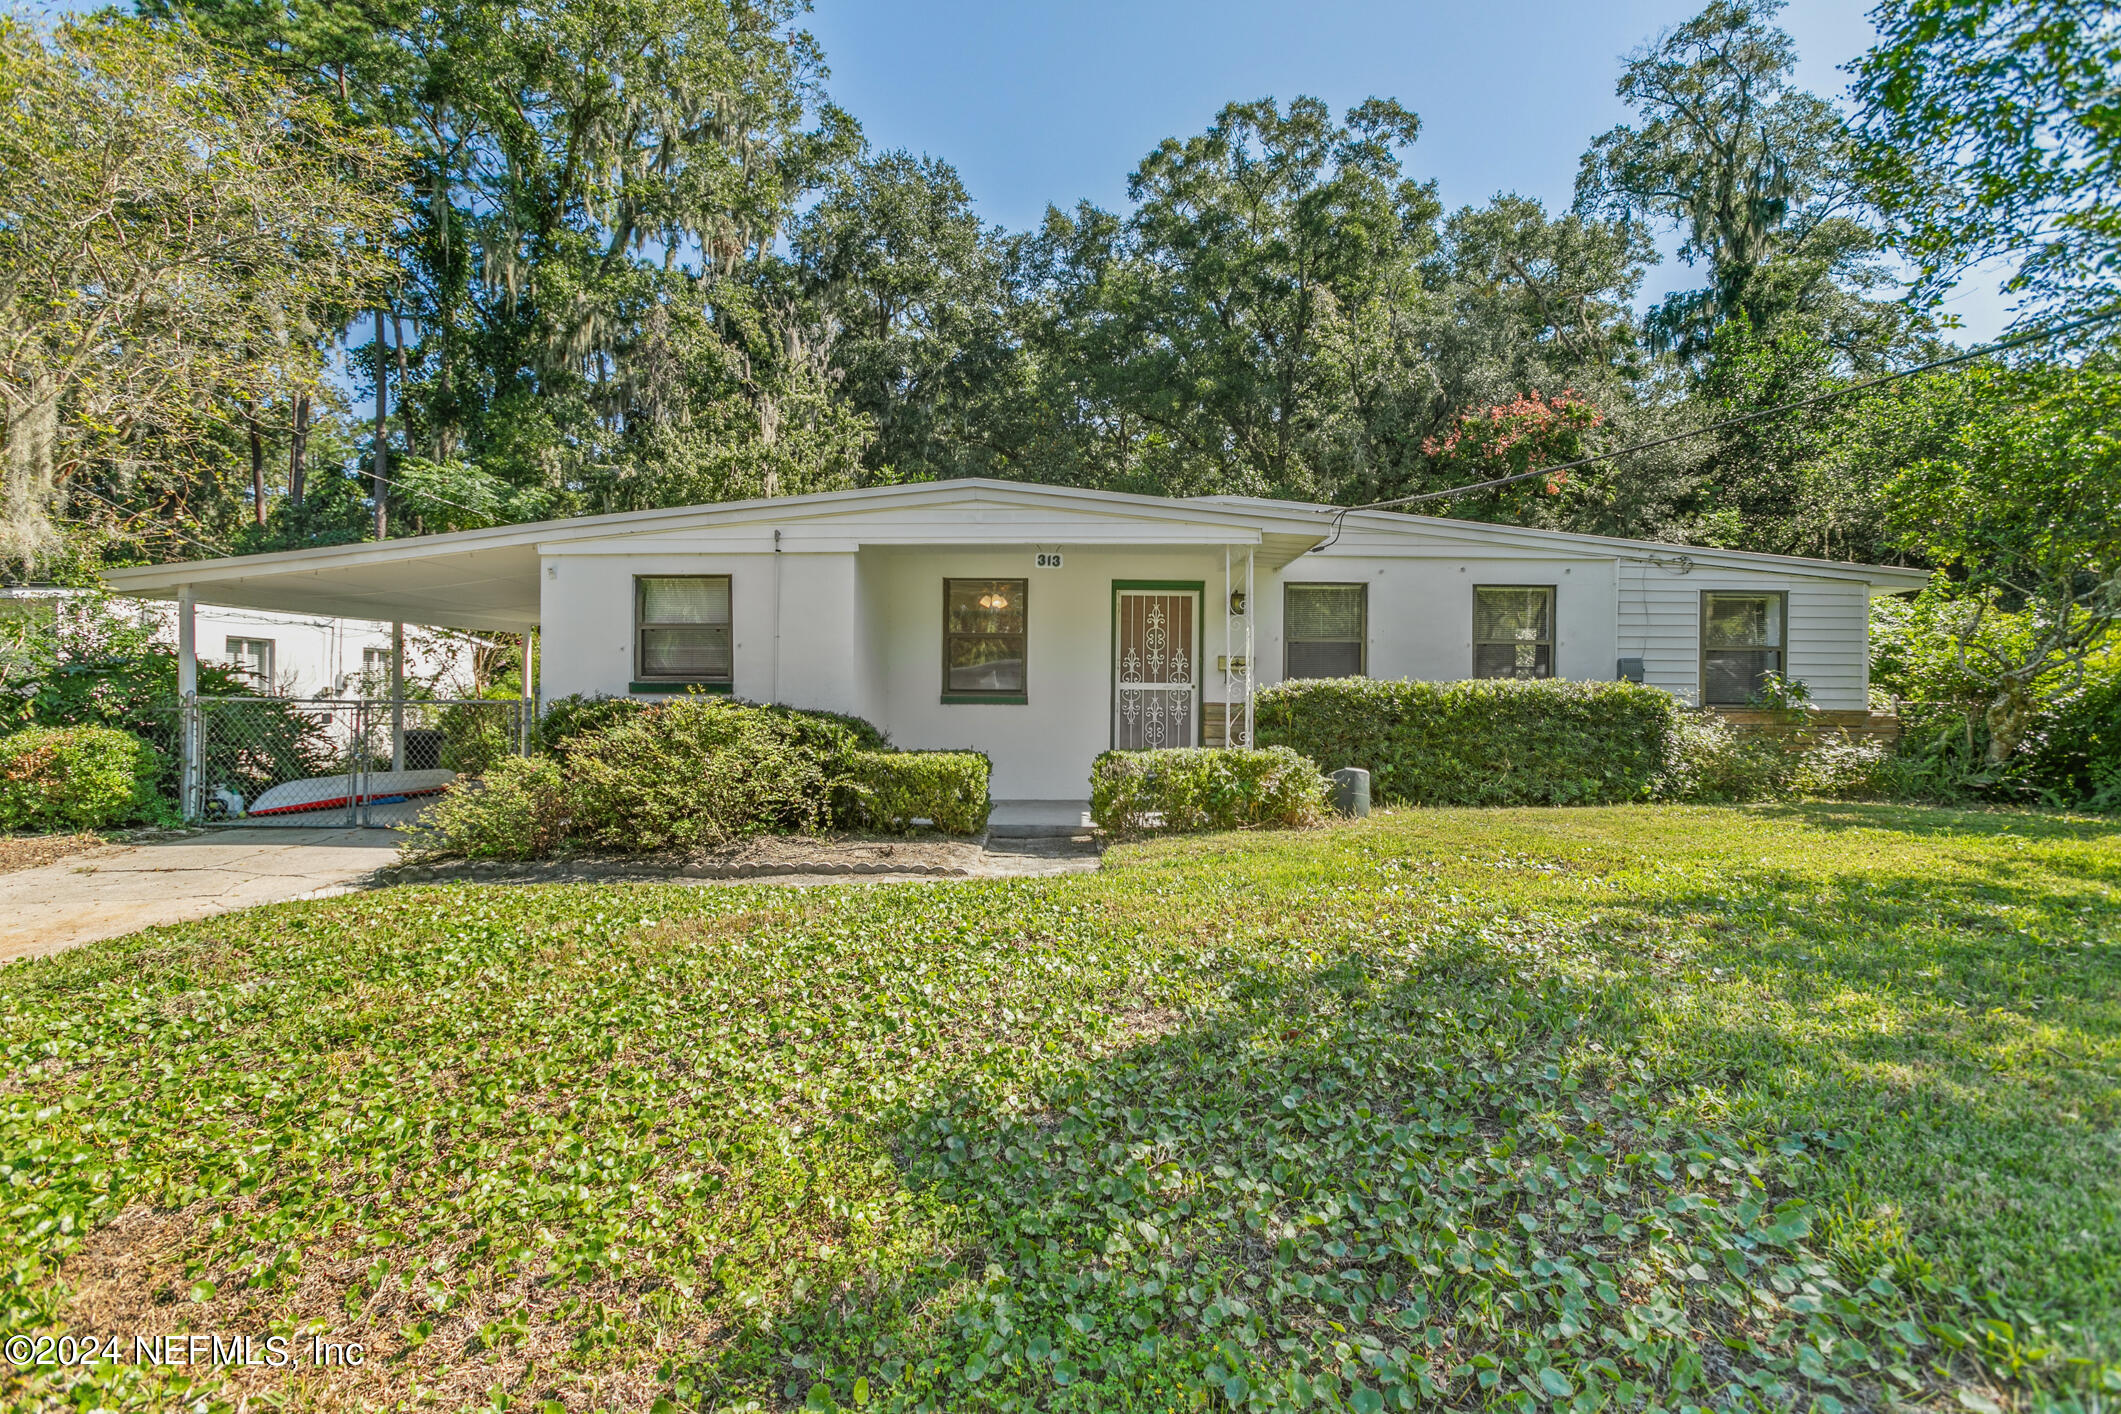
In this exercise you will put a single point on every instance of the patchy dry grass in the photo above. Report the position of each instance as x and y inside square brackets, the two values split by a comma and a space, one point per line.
[1621, 1108]
[30, 851]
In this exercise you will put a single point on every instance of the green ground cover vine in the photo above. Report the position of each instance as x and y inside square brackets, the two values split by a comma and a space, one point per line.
[1778, 1107]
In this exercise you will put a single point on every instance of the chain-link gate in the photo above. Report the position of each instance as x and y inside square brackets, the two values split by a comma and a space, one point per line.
[359, 761]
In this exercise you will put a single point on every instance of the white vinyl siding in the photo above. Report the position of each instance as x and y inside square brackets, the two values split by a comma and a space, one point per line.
[1827, 630]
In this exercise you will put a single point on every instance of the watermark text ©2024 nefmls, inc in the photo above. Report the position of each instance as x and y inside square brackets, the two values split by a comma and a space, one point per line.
[273, 1352]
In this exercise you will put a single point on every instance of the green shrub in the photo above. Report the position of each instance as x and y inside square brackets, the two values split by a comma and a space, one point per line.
[1205, 788]
[477, 736]
[892, 789]
[698, 772]
[517, 810]
[565, 718]
[76, 778]
[1710, 762]
[1498, 742]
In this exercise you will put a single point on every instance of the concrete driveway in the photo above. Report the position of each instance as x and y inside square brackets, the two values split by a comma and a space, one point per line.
[123, 888]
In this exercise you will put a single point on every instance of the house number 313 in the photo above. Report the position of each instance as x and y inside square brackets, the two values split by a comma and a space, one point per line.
[1049, 559]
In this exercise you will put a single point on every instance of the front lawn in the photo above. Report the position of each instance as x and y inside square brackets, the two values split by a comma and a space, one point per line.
[1561, 1108]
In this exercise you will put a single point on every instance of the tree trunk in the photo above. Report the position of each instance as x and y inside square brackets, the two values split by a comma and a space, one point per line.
[257, 465]
[2009, 713]
[380, 482]
[298, 453]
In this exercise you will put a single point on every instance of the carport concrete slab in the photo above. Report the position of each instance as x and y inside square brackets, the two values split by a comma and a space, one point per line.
[121, 889]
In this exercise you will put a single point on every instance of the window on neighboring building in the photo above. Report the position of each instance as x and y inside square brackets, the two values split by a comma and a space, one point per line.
[375, 664]
[1741, 643]
[984, 638]
[681, 628]
[1513, 631]
[253, 658]
[1326, 628]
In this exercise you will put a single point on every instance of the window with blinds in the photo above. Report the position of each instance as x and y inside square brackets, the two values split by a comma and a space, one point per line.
[1513, 631]
[253, 658]
[1741, 643]
[1326, 629]
[682, 628]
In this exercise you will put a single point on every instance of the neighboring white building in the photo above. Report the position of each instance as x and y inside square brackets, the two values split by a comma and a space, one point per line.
[1045, 624]
[295, 654]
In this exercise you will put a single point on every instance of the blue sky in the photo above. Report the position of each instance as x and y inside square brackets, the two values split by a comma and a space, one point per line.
[1038, 101]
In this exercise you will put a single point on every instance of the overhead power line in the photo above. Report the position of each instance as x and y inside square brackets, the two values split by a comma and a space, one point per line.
[2036, 336]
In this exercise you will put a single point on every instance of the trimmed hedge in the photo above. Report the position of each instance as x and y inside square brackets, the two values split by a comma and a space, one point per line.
[1488, 742]
[893, 789]
[1205, 788]
[76, 778]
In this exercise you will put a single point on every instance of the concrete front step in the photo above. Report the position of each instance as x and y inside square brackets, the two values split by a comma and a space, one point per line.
[1038, 819]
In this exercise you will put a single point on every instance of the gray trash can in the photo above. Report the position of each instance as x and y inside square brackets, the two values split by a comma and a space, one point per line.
[1351, 791]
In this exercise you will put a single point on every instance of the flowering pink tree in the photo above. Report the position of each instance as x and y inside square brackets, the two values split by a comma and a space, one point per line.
[1510, 439]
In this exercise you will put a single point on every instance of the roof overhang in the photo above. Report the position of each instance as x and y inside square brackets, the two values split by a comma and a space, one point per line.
[488, 579]
[483, 587]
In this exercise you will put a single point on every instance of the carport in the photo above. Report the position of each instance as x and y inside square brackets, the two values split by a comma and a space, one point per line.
[477, 581]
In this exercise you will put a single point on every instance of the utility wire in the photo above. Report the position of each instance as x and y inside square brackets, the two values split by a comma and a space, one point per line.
[1341, 515]
[216, 551]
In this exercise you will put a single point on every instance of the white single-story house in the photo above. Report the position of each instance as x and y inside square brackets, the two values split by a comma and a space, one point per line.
[1043, 624]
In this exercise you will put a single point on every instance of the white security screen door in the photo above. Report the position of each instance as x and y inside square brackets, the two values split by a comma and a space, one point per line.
[1156, 668]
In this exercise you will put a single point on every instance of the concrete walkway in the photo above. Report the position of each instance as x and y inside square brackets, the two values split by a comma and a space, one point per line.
[121, 888]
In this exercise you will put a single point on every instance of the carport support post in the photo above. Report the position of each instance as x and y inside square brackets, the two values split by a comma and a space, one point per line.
[187, 704]
[397, 696]
[530, 706]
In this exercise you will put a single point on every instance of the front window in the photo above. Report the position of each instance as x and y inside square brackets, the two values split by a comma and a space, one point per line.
[984, 639]
[252, 657]
[1326, 628]
[1741, 643]
[1513, 631]
[682, 628]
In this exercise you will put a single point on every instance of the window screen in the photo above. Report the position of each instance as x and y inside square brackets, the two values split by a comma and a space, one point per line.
[682, 624]
[1325, 625]
[1741, 643]
[1513, 631]
[984, 636]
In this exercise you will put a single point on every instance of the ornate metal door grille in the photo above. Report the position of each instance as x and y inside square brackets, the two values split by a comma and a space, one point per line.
[1156, 669]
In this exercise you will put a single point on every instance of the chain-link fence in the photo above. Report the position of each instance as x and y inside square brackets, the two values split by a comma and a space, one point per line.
[286, 761]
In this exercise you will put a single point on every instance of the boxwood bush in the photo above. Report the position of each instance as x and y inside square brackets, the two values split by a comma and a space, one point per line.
[891, 790]
[1489, 742]
[77, 778]
[1205, 788]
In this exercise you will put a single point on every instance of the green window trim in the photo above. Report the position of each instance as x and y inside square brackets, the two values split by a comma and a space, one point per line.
[988, 699]
[665, 685]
